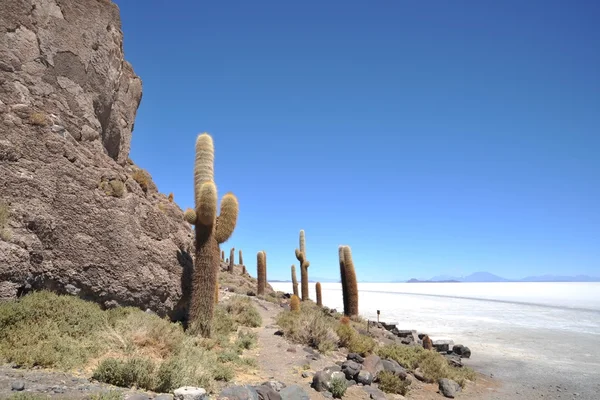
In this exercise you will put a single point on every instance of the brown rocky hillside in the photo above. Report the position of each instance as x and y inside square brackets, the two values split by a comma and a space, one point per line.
[76, 215]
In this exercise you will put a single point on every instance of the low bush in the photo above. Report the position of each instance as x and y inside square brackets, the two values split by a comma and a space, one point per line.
[354, 341]
[309, 326]
[338, 387]
[390, 383]
[433, 365]
[243, 311]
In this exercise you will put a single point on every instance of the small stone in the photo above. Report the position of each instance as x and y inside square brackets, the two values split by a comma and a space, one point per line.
[191, 393]
[374, 393]
[373, 364]
[448, 387]
[421, 376]
[18, 386]
[454, 360]
[278, 333]
[389, 325]
[291, 350]
[355, 357]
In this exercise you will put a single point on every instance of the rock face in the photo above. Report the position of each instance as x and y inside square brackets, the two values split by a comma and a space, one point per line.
[83, 219]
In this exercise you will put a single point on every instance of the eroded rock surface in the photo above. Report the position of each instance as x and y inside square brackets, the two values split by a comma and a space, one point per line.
[82, 218]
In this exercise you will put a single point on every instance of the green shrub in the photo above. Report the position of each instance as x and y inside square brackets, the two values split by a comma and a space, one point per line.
[228, 355]
[338, 387]
[309, 326]
[247, 362]
[222, 372]
[246, 340]
[39, 118]
[133, 372]
[243, 311]
[110, 395]
[433, 365]
[390, 383]
[354, 341]
[118, 188]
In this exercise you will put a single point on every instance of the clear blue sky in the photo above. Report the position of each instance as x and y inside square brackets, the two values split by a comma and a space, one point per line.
[433, 137]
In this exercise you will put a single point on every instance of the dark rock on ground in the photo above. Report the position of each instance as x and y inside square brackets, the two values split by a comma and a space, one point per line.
[395, 368]
[355, 357]
[442, 345]
[351, 369]
[17, 386]
[389, 325]
[278, 333]
[448, 387]
[422, 335]
[239, 393]
[294, 392]
[321, 380]
[373, 364]
[267, 393]
[364, 377]
[461, 350]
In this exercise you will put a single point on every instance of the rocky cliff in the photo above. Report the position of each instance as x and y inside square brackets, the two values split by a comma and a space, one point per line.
[76, 215]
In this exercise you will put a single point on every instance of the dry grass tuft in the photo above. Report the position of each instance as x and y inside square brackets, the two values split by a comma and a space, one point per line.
[142, 178]
[39, 118]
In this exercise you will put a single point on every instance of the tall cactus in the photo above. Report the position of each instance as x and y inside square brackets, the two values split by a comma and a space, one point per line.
[304, 264]
[349, 284]
[231, 255]
[261, 272]
[241, 260]
[294, 280]
[222, 255]
[211, 231]
[319, 298]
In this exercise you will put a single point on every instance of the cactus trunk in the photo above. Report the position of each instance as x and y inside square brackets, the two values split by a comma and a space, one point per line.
[343, 279]
[222, 255]
[304, 264]
[211, 231]
[349, 281]
[319, 298]
[241, 260]
[231, 255]
[294, 281]
[261, 272]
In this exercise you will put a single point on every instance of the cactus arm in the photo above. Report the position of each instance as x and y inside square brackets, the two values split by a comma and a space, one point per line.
[204, 163]
[206, 203]
[227, 219]
[190, 216]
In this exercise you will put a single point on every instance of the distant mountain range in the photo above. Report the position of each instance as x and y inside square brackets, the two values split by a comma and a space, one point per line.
[489, 277]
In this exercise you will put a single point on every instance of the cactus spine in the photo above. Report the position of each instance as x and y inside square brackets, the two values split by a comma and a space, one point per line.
[211, 231]
[295, 303]
[319, 298]
[348, 278]
[304, 264]
[231, 255]
[294, 280]
[261, 273]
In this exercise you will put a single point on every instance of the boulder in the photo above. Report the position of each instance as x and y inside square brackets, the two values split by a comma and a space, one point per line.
[267, 393]
[190, 393]
[372, 364]
[442, 345]
[351, 369]
[395, 368]
[448, 387]
[239, 393]
[355, 357]
[461, 350]
[364, 377]
[164, 396]
[17, 386]
[402, 333]
[294, 392]
[320, 381]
